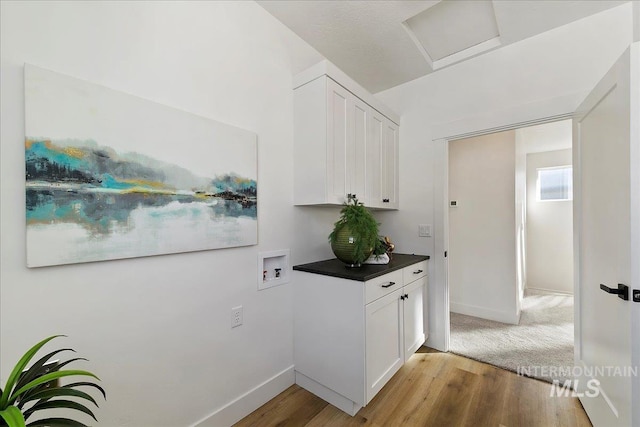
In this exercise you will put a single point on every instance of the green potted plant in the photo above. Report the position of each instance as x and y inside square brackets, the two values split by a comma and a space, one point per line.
[355, 235]
[35, 389]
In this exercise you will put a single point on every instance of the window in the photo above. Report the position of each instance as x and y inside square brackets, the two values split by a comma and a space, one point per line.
[555, 183]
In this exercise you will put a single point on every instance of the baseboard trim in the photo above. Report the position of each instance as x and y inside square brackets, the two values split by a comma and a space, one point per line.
[485, 313]
[245, 404]
[326, 394]
[549, 291]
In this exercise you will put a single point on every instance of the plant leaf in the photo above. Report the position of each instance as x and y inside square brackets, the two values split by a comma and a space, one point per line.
[56, 422]
[27, 394]
[49, 377]
[60, 365]
[36, 368]
[62, 403]
[17, 370]
[12, 416]
[104, 394]
[49, 393]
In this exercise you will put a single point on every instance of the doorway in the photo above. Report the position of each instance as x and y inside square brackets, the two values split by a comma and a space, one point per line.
[510, 249]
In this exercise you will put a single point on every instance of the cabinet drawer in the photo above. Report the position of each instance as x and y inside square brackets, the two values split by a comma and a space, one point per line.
[380, 286]
[414, 272]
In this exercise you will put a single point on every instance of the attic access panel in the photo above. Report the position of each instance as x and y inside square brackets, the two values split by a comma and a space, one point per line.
[454, 30]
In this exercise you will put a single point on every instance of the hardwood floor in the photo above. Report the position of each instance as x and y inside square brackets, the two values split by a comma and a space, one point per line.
[434, 389]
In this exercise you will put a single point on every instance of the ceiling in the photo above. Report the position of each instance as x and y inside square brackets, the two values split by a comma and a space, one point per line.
[382, 44]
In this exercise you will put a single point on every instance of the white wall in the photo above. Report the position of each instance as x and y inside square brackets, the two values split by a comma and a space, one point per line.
[532, 139]
[157, 329]
[546, 137]
[521, 217]
[549, 230]
[482, 241]
[529, 79]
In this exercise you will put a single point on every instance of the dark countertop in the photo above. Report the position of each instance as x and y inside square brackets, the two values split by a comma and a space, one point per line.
[336, 268]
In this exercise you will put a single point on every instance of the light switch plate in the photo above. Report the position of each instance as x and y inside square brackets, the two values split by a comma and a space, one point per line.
[424, 230]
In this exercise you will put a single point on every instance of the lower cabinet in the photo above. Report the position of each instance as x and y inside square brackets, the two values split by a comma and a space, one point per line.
[385, 341]
[414, 316]
[351, 337]
[395, 330]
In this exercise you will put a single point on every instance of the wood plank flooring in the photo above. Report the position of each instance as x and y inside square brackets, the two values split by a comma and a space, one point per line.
[433, 389]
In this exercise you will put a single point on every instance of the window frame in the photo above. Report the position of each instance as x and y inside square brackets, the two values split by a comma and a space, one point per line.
[570, 184]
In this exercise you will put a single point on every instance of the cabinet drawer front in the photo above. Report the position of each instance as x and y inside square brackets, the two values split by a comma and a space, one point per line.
[414, 272]
[381, 286]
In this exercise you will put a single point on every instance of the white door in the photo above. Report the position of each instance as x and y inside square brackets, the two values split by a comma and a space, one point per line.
[606, 233]
[384, 343]
[413, 314]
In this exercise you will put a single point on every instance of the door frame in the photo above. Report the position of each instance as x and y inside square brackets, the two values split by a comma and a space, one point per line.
[547, 111]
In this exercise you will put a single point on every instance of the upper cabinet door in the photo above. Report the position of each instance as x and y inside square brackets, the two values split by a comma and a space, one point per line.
[340, 149]
[374, 159]
[358, 152]
[390, 166]
[343, 146]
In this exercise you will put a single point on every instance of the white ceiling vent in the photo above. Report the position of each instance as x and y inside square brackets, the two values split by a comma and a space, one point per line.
[451, 31]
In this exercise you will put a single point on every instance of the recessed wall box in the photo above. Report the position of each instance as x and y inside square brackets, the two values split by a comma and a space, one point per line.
[273, 268]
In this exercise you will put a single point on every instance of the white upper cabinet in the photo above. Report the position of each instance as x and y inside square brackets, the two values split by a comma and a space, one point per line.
[343, 145]
[382, 163]
[340, 149]
[390, 166]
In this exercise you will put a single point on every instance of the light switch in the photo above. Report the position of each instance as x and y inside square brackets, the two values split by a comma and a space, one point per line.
[424, 230]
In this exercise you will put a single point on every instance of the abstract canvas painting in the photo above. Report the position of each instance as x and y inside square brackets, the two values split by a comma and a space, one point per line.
[110, 175]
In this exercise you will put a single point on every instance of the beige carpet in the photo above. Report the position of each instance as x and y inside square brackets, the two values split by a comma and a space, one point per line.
[541, 346]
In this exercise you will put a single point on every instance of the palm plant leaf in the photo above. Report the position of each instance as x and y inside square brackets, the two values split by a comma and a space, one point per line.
[17, 370]
[12, 416]
[36, 388]
[49, 377]
[43, 370]
[37, 368]
[55, 422]
[86, 383]
[49, 393]
[61, 403]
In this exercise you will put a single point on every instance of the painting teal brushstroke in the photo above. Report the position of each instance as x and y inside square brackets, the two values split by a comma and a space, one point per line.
[39, 149]
[110, 182]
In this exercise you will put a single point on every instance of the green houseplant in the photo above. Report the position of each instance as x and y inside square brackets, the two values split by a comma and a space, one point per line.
[355, 235]
[35, 389]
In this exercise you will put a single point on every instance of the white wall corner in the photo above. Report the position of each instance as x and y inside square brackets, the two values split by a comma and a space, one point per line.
[245, 404]
[636, 20]
[511, 317]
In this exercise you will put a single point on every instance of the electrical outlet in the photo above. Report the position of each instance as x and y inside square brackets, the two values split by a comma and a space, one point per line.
[236, 316]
